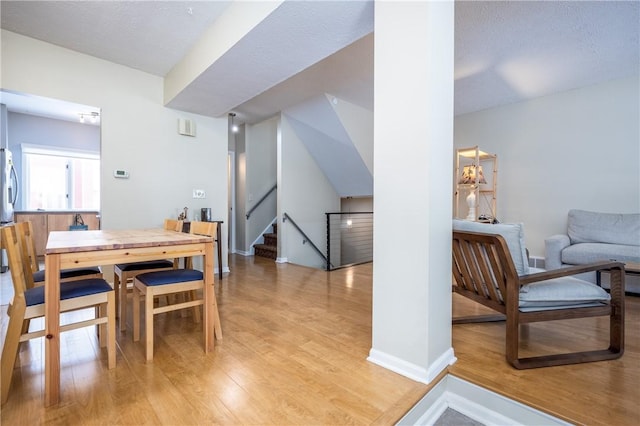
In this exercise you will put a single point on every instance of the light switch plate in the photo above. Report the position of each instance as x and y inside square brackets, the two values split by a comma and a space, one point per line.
[199, 193]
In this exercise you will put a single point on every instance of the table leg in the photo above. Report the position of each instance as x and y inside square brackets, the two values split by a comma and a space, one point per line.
[219, 247]
[209, 295]
[52, 329]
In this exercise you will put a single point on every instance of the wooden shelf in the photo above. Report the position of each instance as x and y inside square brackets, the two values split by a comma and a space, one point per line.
[485, 193]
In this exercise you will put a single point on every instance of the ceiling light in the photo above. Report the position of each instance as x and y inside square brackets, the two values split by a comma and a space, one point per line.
[234, 127]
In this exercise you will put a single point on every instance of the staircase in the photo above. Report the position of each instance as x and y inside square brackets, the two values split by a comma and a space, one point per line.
[269, 248]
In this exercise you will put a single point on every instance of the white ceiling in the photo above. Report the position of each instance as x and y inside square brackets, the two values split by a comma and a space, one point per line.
[505, 51]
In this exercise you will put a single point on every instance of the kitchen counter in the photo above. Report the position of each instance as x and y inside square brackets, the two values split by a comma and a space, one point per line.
[45, 221]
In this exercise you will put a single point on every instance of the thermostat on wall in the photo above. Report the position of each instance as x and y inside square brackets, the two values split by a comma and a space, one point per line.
[121, 174]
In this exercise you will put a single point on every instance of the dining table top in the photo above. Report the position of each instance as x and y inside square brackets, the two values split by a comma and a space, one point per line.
[80, 241]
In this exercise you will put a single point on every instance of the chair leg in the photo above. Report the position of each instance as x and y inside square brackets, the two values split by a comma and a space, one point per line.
[101, 312]
[10, 349]
[124, 282]
[136, 314]
[196, 309]
[148, 325]
[512, 340]
[111, 329]
[217, 329]
[25, 326]
[116, 288]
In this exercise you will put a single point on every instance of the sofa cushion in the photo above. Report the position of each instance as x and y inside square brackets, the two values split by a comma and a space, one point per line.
[513, 233]
[613, 228]
[580, 254]
[561, 292]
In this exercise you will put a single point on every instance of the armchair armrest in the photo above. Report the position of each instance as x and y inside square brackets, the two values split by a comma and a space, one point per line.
[615, 268]
[572, 270]
[553, 247]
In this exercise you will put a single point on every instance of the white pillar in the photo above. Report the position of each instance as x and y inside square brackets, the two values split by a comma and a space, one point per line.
[413, 163]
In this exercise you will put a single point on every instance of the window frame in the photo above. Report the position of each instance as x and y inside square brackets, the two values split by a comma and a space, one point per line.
[56, 151]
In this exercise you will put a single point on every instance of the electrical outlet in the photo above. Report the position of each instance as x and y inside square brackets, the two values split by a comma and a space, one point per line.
[198, 193]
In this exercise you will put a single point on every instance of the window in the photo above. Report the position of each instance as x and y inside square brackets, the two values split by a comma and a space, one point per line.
[59, 179]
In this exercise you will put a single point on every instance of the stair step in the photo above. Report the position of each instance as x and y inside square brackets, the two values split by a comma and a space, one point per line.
[265, 250]
[270, 239]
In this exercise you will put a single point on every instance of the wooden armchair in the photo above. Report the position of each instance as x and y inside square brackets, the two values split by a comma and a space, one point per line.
[484, 271]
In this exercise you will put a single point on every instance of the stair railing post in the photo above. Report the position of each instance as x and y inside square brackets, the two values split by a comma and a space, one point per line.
[328, 241]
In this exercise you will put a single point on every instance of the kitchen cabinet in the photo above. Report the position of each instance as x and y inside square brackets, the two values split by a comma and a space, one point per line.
[45, 222]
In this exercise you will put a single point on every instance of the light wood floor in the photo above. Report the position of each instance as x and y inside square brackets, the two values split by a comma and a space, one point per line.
[294, 352]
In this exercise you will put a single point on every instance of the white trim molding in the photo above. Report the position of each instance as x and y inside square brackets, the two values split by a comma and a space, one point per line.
[410, 370]
[475, 402]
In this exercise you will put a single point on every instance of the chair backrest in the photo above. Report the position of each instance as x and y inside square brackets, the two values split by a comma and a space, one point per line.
[11, 243]
[24, 231]
[203, 228]
[173, 225]
[483, 269]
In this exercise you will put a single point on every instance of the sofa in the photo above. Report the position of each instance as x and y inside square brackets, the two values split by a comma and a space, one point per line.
[593, 236]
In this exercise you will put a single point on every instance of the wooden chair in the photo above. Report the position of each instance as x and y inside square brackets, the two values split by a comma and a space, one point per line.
[27, 244]
[28, 303]
[124, 273]
[483, 270]
[153, 284]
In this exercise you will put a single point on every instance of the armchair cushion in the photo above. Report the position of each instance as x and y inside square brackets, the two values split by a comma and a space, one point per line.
[564, 292]
[513, 233]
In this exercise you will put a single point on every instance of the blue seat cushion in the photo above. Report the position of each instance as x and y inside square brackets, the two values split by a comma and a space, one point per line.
[35, 296]
[68, 273]
[169, 277]
[151, 264]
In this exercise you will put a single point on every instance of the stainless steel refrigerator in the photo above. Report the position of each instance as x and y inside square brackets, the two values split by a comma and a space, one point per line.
[8, 195]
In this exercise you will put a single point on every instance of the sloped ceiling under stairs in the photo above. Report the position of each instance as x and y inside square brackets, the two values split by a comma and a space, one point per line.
[332, 131]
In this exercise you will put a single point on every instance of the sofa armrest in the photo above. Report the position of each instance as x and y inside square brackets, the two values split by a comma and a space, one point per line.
[553, 247]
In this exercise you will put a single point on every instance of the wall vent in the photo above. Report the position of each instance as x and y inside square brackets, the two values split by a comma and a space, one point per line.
[186, 127]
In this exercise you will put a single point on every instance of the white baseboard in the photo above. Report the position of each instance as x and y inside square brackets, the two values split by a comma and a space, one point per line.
[244, 253]
[282, 260]
[475, 402]
[410, 370]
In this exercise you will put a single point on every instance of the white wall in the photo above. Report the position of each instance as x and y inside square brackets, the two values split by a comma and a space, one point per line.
[261, 176]
[578, 149]
[306, 195]
[358, 123]
[138, 133]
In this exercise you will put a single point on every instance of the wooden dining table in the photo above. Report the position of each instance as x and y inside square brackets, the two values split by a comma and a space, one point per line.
[76, 249]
